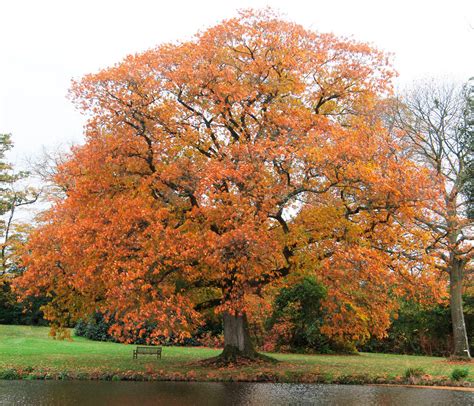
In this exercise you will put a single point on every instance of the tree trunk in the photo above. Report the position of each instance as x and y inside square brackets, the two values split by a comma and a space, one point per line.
[237, 342]
[461, 345]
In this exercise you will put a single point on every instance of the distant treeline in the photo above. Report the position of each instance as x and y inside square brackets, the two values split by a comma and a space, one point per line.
[293, 326]
[296, 321]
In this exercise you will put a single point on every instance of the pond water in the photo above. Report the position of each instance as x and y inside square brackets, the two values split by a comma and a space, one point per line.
[212, 393]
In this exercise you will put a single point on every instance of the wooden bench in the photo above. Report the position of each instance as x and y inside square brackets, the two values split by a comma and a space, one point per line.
[147, 351]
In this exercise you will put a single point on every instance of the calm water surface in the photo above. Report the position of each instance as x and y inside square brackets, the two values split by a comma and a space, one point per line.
[205, 393]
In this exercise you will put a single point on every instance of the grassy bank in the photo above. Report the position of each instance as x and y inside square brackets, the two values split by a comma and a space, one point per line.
[29, 353]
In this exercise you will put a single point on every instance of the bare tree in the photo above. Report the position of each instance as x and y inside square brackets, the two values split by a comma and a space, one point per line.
[433, 116]
[45, 168]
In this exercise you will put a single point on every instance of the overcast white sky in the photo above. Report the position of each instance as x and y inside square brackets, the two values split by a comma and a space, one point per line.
[45, 43]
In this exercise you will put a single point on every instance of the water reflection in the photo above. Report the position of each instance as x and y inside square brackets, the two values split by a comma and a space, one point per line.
[206, 393]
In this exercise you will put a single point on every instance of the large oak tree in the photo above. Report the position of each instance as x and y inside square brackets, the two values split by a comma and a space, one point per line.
[217, 167]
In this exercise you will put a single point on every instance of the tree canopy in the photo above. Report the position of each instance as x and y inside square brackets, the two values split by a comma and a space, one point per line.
[217, 168]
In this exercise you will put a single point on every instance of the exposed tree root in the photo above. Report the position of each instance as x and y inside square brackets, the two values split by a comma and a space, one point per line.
[232, 356]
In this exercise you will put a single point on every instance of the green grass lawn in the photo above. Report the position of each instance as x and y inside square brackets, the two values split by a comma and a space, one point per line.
[32, 353]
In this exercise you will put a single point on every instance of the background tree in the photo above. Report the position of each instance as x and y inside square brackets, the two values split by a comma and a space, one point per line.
[468, 186]
[45, 168]
[13, 195]
[423, 330]
[436, 116]
[217, 168]
[296, 319]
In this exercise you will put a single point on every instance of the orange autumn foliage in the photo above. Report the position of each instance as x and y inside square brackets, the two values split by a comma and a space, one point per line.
[219, 168]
